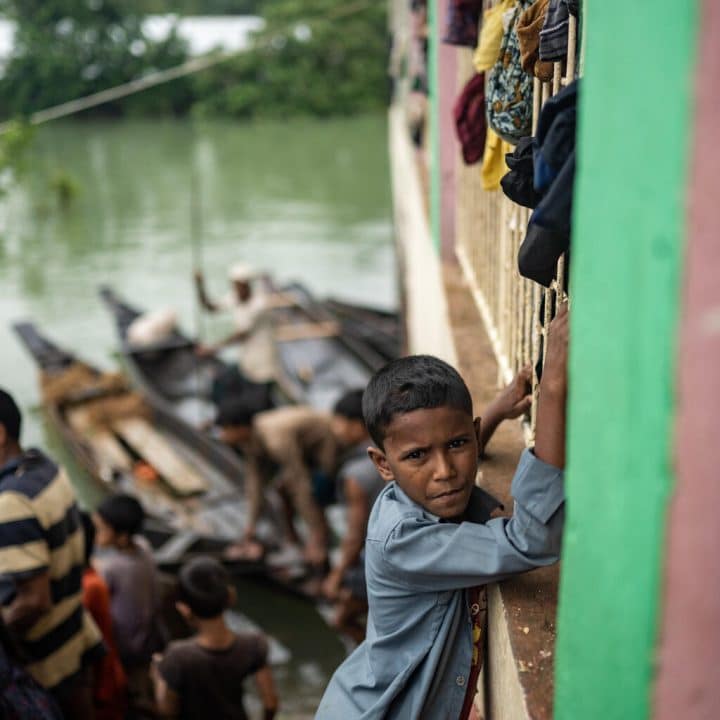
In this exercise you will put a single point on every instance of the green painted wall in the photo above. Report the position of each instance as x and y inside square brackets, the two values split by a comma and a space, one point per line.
[434, 121]
[627, 248]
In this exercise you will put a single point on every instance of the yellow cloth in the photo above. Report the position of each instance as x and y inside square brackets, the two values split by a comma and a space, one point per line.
[493, 164]
[491, 35]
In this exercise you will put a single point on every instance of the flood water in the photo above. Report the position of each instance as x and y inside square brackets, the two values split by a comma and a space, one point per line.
[306, 200]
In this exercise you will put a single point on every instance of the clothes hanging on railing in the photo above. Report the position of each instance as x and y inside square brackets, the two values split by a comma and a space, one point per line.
[518, 184]
[494, 22]
[470, 123]
[493, 164]
[463, 17]
[553, 169]
[554, 35]
[509, 87]
[529, 26]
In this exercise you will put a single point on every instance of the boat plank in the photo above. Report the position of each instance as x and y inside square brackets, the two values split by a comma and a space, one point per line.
[109, 454]
[152, 446]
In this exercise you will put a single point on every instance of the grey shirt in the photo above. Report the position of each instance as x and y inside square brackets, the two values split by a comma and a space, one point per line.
[360, 467]
[134, 585]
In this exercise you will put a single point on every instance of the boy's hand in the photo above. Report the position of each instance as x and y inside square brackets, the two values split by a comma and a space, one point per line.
[511, 402]
[515, 399]
[554, 377]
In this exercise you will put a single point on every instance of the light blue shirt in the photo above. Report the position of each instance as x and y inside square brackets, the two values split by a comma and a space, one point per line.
[415, 661]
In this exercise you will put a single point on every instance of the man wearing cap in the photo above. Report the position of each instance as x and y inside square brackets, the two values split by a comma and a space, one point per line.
[250, 308]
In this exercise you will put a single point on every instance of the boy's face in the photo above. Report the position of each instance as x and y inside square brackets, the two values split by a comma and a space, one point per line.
[105, 536]
[432, 454]
[347, 431]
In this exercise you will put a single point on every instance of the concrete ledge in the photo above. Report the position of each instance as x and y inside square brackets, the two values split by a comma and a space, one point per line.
[426, 312]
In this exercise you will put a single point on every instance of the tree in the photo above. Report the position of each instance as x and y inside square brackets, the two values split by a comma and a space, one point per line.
[310, 59]
[65, 49]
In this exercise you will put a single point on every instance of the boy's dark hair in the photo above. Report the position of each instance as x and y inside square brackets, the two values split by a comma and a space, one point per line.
[123, 513]
[10, 417]
[417, 382]
[350, 406]
[89, 531]
[204, 586]
[232, 413]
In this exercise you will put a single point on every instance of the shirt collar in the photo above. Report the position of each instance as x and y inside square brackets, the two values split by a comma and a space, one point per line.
[479, 510]
[11, 467]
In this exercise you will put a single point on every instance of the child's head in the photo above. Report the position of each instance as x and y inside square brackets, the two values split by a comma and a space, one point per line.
[418, 411]
[203, 589]
[348, 424]
[10, 421]
[116, 519]
[235, 421]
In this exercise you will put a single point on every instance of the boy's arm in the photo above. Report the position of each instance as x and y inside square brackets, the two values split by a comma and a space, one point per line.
[354, 540]
[166, 700]
[511, 402]
[266, 690]
[550, 432]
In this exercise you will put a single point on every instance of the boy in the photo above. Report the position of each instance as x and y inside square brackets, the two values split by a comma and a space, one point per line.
[431, 541]
[203, 675]
[127, 567]
[359, 484]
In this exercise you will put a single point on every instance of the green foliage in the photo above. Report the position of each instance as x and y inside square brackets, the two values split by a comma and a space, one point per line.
[315, 57]
[310, 59]
[202, 7]
[66, 49]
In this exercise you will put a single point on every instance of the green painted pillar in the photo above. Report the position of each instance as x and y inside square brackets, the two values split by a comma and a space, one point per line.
[434, 121]
[627, 248]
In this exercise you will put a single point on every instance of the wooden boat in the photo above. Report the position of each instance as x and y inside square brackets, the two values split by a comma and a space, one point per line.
[378, 329]
[316, 363]
[124, 445]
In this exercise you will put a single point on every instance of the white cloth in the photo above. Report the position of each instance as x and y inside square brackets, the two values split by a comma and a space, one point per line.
[152, 327]
[257, 360]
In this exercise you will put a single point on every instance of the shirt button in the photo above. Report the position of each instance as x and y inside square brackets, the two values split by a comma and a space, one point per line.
[474, 609]
[460, 680]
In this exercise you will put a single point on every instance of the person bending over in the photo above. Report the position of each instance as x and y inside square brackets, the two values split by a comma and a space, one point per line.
[432, 545]
[287, 444]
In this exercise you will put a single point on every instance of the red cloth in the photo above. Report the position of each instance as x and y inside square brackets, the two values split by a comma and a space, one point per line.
[470, 119]
[110, 681]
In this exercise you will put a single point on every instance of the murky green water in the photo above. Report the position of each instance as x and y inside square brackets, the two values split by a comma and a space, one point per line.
[305, 200]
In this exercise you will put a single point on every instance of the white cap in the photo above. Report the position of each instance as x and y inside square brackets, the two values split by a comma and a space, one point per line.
[241, 273]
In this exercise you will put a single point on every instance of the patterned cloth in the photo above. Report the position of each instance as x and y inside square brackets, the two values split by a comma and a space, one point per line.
[509, 88]
[40, 531]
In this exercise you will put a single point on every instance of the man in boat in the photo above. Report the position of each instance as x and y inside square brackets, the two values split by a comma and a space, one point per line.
[288, 444]
[250, 306]
[42, 555]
